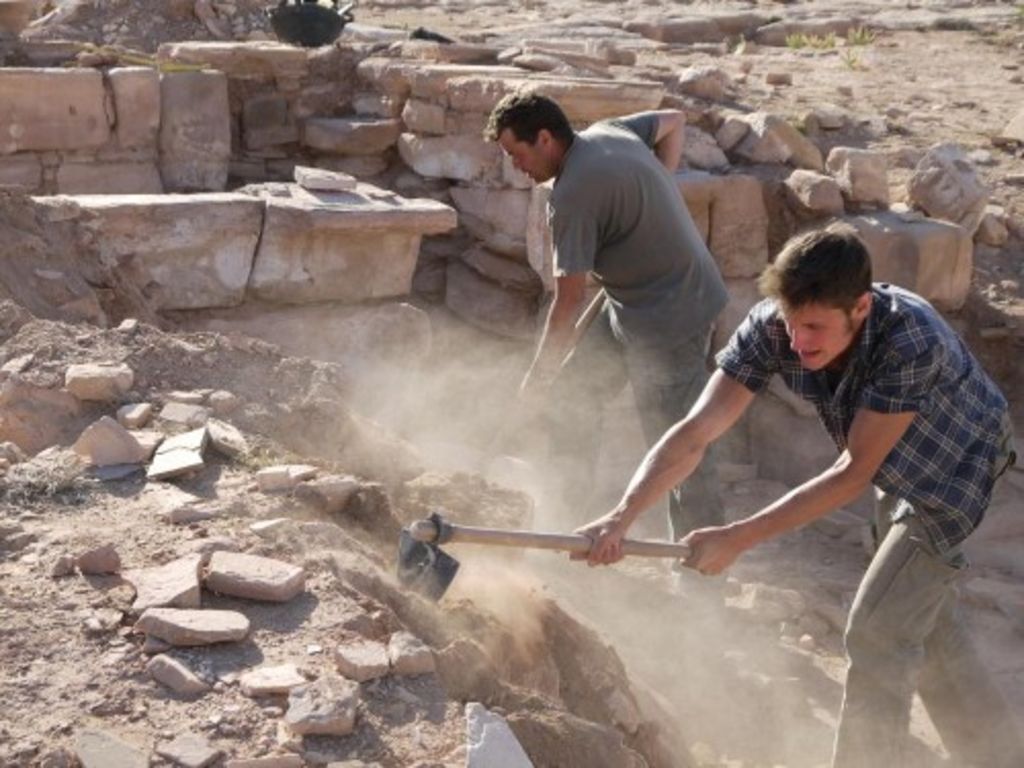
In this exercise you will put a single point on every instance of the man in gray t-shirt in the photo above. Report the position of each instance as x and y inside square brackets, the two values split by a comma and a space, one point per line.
[616, 213]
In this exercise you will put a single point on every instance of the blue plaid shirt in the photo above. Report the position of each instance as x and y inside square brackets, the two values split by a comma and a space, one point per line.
[906, 359]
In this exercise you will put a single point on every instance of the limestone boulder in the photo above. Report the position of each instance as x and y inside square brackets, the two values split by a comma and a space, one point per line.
[773, 140]
[862, 175]
[253, 60]
[193, 251]
[33, 417]
[815, 192]
[934, 259]
[730, 215]
[351, 135]
[24, 171]
[109, 179]
[137, 106]
[195, 131]
[945, 185]
[705, 82]
[701, 151]
[100, 382]
[345, 247]
[498, 217]
[460, 158]
[106, 443]
[487, 305]
[71, 116]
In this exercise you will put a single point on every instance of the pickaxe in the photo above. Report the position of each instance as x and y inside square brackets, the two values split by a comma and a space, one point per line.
[428, 569]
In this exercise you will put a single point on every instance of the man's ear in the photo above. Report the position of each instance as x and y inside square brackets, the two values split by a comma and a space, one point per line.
[544, 138]
[862, 307]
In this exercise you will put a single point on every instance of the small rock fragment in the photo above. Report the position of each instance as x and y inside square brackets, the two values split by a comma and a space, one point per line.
[175, 675]
[100, 560]
[362, 660]
[134, 416]
[271, 680]
[409, 655]
[327, 706]
[189, 750]
[283, 477]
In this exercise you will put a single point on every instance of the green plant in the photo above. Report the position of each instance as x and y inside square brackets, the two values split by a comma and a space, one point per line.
[851, 60]
[796, 40]
[860, 36]
[822, 42]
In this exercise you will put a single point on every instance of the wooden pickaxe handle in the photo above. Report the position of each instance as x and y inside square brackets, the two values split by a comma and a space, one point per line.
[427, 531]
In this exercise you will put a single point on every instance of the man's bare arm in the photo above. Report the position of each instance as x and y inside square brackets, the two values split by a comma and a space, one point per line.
[558, 331]
[872, 436]
[668, 136]
[672, 459]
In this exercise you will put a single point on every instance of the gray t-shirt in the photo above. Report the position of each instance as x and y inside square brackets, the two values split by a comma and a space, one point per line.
[616, 211]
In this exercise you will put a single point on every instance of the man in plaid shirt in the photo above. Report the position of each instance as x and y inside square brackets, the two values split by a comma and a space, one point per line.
[911, 412]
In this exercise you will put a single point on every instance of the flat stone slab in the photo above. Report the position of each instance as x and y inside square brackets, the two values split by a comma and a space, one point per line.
[254, 577]
[362, 660]
[342, 246]
[183, 627]
[179, 455]
[252, 60]
[187, 414]
[271, 680]
[99, 749]
[173, 585]
[322, 180]
[409, 655]
[274, 761]
[196, 250]
[189, 750]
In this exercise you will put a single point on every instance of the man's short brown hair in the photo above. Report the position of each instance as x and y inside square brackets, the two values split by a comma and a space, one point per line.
[827, 266]
[526, 114]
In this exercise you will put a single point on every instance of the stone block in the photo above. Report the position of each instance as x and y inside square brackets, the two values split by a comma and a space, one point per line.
[283, 477]
[776, 32]
[700, 150]
[539, 248]
[135, 415]
[489, 306]
[461, 158]
[251, 60]
[71, 116]
[266, 121]
[935, 259]
[22, 171]
[195, 251]
[496, 216]
[195, 131]
[421, 116]
[862, 175]
[730, 215]
[109, 179]
[348, 246]
[351, 135]
[136, 105]
[704, 82]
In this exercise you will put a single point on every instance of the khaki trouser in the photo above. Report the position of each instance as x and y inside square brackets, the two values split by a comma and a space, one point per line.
[904, 634]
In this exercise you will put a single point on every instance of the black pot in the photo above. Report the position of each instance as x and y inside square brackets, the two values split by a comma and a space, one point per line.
[308, 24]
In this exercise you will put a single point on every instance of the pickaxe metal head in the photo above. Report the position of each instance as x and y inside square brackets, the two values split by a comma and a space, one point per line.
[422, 565]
